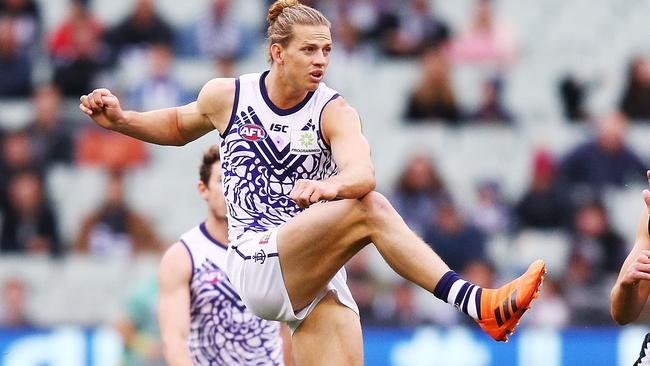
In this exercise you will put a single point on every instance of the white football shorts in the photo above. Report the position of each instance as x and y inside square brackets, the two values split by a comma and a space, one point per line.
[253, 267]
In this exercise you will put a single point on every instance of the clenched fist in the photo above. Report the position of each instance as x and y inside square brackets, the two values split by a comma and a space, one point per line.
[103, 107]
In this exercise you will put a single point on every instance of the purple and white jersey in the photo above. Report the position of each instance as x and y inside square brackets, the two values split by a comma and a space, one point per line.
[222, 330]
[266, 149]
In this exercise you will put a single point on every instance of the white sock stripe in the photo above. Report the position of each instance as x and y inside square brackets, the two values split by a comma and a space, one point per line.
[453, 291]
[471, 307]
[467, 294]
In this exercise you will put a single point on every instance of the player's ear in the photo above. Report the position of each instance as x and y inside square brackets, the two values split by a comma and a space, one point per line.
[276, 53]
[203, 189]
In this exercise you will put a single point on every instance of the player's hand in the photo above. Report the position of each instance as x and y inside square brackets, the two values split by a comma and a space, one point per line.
[307, 192]
[639, 270]
[103, 107]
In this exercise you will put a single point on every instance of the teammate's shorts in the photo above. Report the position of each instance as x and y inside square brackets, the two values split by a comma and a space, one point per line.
[253, 267]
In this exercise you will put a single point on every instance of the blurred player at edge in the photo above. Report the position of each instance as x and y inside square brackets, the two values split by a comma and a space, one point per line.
[632, 287]
[202, 319]
[290, 143]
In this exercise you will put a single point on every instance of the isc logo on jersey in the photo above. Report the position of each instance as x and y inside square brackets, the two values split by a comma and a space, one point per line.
[252, 132]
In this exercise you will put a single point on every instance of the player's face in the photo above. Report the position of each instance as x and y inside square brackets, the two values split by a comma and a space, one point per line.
[212, 193]
[307, 55]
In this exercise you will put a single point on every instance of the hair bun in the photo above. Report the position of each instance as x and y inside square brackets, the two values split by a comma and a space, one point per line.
[276, 9]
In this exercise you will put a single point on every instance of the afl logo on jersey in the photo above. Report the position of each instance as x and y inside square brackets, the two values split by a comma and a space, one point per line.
[252, 132]
[212, 276]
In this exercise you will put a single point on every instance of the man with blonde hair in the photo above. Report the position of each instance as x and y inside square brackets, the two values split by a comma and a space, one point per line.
[299, 186]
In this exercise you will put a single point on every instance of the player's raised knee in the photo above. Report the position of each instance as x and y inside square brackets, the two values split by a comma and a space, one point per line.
[376, 204]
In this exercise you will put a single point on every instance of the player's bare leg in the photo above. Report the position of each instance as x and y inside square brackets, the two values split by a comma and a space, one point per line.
[330, 335]
[315, 244]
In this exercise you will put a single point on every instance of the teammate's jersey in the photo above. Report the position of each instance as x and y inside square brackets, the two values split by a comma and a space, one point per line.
[644, 356]
[265, 149]
[222, 330]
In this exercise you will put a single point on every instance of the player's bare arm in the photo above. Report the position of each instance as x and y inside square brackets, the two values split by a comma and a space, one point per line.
[356, 178]
[174, 277]
[169, 126]
[632, 287]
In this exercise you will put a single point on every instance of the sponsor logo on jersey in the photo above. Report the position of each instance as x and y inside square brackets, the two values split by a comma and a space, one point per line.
[304, 142]
[265, 238]
[259, 256]
[252, 132]
[276, 127]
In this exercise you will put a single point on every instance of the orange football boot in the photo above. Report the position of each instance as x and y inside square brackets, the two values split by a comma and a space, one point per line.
[502, 308]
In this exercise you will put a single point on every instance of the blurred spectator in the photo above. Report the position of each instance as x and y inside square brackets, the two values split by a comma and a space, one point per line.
[363, 17]
[12, 309]
[419, 188]
[486, 40]
[481, 273]
[597, 254]
[138, 325]
[636, 96]
[545, 205]
[410, 29]
[572, 96]
[63, 42]
[159, 89]
[29, 224]
[17, 154]
[96, 146]
[350, 57]
[347, 39]
[398, 307]
[49, 136]
[456, 241]
[492, 214]
[434, 96]
[25, 20]
[491, 108]
[142, 28]
[220, 24]
[586, 294]
[603, 161]
[15, 64]
[77, 73]
[115, 230]
[595, 240]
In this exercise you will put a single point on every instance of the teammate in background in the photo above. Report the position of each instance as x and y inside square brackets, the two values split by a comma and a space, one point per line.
[202, 319]
[299, 185]
[630, 293]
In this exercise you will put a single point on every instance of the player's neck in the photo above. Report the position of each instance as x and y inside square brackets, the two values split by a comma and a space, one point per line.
[280, 93]
[217, 228]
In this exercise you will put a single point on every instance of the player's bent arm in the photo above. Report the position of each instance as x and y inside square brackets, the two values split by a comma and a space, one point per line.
[351, 151]
[632, 287]
[174, 278]
[169, 126]
[181, 125]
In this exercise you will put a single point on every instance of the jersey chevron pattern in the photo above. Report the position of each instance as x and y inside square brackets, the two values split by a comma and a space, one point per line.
[265, 150]
[222, 330]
